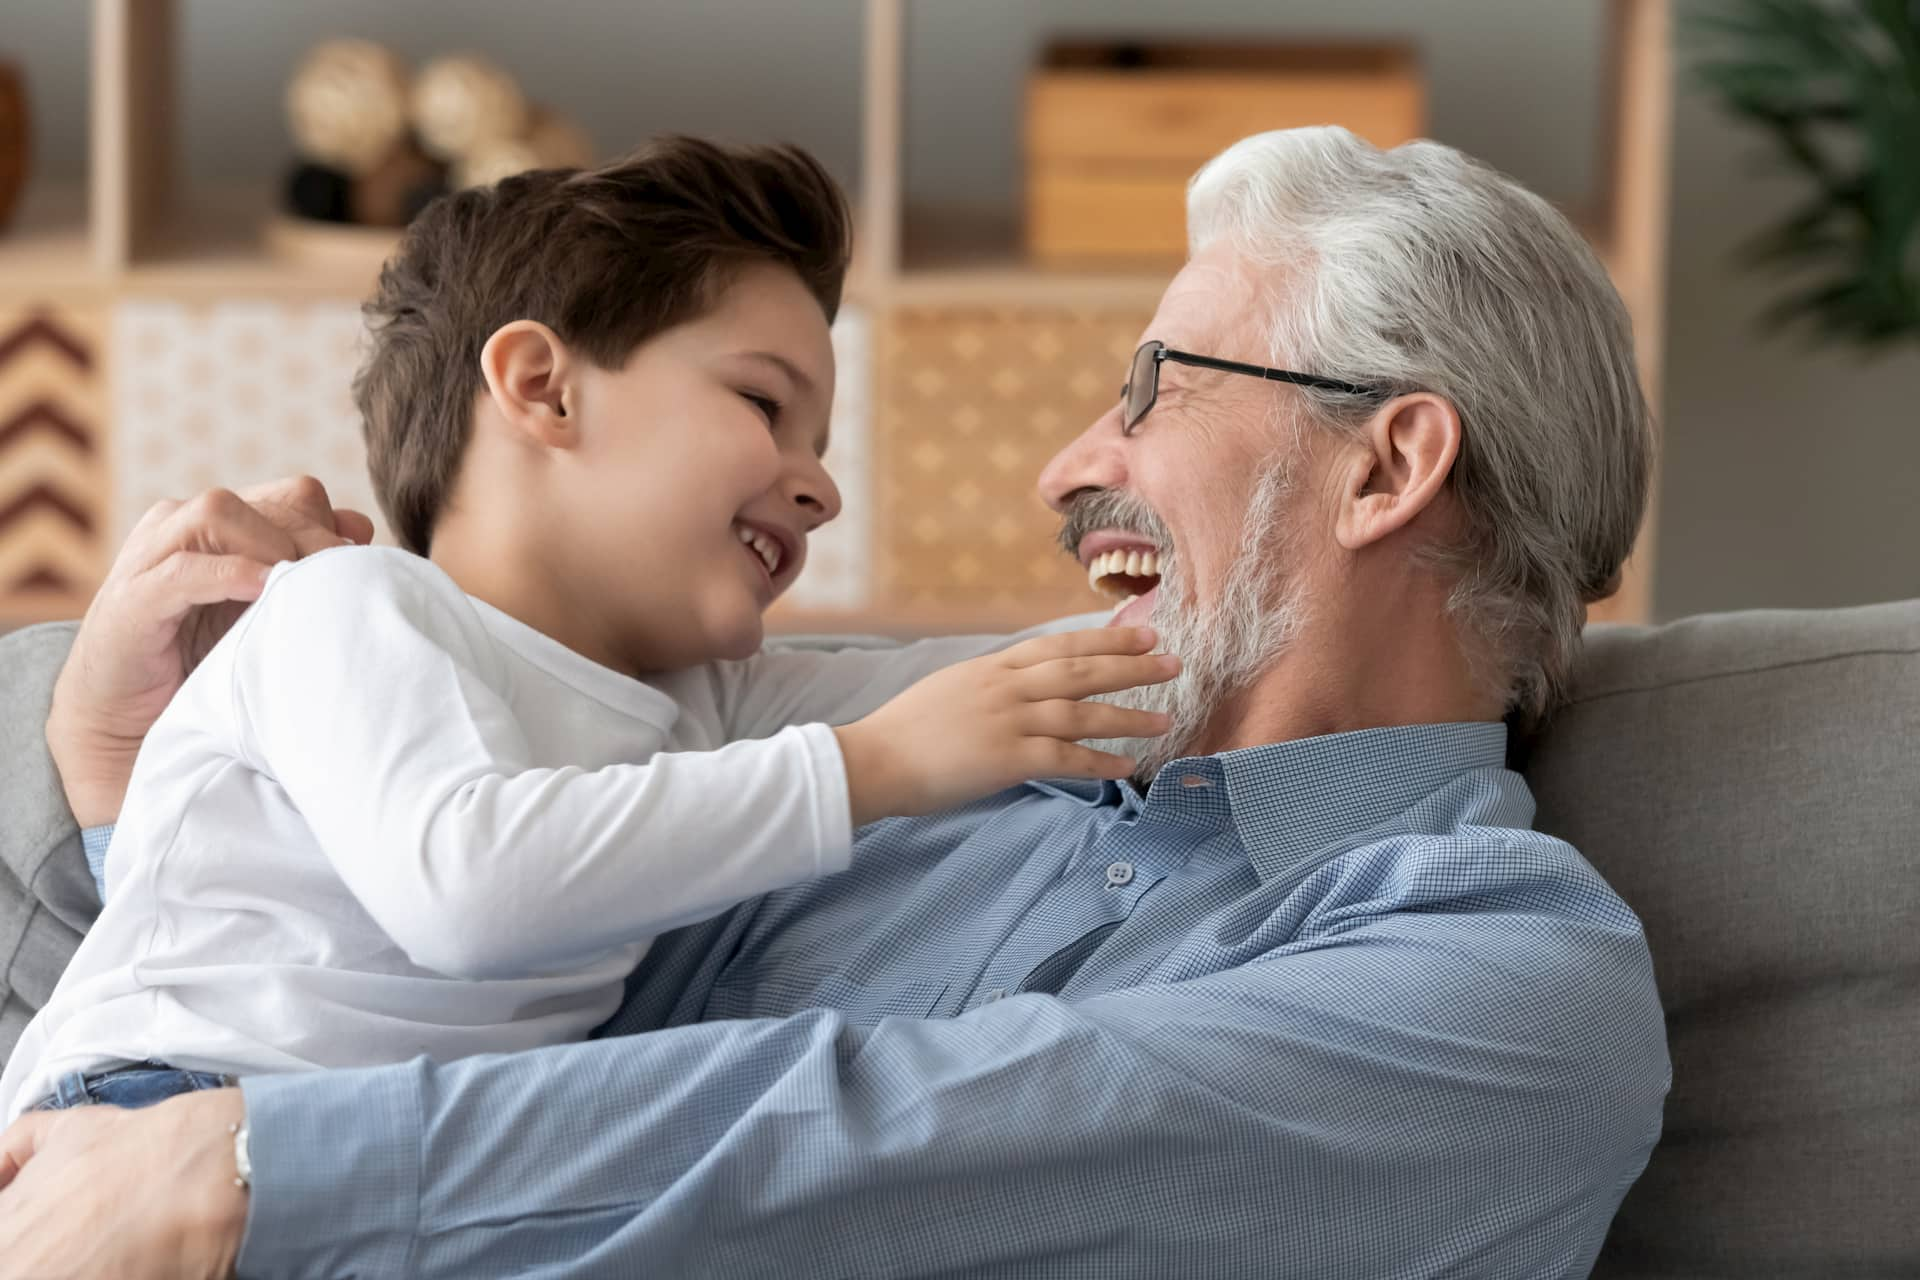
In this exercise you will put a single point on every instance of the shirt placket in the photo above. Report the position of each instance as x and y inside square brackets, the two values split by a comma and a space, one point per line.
[1100, 889]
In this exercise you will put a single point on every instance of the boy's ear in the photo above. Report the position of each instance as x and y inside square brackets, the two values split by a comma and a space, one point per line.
[528, 372]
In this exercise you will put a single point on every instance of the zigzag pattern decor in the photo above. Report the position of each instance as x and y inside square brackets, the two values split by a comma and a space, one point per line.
[53, 476]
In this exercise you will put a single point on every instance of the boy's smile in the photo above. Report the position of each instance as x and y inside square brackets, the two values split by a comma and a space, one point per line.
[777, 555]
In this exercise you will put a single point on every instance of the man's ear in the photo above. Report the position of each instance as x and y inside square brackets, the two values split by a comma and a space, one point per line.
[528, 371]
[1400, 467]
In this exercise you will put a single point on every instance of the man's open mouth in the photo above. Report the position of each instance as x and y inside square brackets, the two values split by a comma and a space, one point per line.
[1124, 573]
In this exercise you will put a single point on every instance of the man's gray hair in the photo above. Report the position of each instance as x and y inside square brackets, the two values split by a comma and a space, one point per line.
[1419, 269]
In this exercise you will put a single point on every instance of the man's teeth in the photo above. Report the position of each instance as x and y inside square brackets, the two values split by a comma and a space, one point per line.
[1117, 564]
[763, 546]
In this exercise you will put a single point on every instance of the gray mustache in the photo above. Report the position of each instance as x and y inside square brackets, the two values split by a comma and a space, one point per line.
[1110, 509]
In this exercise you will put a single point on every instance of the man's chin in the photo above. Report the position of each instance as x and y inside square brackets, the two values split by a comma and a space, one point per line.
[1138, 612]
[1150, 753]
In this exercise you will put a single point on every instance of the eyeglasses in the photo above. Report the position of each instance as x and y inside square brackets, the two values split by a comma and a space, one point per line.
[1143, 379]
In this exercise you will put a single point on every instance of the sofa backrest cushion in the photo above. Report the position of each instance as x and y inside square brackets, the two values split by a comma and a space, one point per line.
[1750, 784]
[47, 898]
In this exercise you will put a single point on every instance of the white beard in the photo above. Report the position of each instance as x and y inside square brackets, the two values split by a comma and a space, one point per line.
[1224, 646]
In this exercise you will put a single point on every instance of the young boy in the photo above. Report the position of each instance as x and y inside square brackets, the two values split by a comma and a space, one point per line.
[435, 800]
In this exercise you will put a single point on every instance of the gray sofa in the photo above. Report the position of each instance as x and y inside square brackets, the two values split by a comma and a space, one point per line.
[1750, 783]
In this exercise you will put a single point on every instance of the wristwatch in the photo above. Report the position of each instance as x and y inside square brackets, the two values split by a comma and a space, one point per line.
[242, 1159]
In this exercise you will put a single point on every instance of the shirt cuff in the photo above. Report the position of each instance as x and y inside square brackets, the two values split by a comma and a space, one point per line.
[832, 806]
[94, 841]
[336, 1172]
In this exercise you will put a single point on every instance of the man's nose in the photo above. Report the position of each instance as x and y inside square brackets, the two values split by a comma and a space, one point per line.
[1095, 459]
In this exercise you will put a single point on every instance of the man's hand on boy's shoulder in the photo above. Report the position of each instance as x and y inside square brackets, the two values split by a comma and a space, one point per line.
[185, 573]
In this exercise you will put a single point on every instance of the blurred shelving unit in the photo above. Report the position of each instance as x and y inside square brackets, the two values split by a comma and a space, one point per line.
[147, 330]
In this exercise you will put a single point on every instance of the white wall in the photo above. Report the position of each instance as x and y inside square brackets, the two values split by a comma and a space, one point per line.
[1792, 476]
[1792, 473]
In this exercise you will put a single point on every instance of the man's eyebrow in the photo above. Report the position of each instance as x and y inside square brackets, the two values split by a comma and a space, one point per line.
[785, 365]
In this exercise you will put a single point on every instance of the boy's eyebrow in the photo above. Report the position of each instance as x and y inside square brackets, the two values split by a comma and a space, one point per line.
[787, 366]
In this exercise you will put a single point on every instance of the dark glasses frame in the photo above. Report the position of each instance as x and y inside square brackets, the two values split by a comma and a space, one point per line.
[1151, 355]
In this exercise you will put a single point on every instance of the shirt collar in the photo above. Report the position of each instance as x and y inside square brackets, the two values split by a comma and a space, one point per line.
[1292, 800]
[603, 684]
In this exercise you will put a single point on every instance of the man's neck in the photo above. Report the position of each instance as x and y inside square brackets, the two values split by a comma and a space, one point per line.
[1368, 666]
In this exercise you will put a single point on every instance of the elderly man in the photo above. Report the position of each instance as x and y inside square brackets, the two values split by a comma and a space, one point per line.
[1308, 998]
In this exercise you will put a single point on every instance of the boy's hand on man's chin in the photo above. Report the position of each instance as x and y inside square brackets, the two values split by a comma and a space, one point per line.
[185, 574]
[981, 726]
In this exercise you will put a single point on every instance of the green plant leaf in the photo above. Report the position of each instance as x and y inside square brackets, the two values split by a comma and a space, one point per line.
[1834, 88]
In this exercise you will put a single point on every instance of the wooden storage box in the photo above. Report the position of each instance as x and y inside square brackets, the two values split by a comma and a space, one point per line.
[1114, 131]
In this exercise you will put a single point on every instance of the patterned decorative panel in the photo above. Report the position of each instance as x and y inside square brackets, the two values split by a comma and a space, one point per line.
[53, 474]
[839, 571]
[232, 393]
[972, 401]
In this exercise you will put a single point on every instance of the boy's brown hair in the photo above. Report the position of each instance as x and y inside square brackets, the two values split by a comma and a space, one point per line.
[607, 258]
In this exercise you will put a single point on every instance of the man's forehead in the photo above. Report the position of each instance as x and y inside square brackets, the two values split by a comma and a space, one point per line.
[1209, 303]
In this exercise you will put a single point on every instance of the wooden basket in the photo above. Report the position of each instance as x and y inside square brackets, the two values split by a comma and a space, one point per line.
[1114, 131]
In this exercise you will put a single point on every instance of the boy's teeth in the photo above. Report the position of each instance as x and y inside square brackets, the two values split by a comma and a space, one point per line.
[762, 546]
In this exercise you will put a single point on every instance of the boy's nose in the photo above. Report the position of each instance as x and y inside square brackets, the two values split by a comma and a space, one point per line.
[813, 491]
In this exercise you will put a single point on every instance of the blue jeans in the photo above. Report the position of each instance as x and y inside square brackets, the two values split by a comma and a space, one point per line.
[140, 1086]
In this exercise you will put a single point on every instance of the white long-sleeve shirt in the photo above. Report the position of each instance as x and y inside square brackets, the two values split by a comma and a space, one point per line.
[383, 819]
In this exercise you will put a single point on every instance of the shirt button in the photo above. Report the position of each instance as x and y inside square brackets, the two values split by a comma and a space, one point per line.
[1192, 780]
[1119, 873]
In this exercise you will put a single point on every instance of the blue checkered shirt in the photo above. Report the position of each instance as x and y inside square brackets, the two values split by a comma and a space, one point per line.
[1320, 1009]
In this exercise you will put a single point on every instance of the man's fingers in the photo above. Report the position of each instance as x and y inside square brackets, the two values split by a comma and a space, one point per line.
[190, 578]
[307, 536]
[352, 525]
[301, 508]
[280, 520]
[145, 545]
[224, 523]
[1081, 676]
[1087, 643]
[301, 495]
[18, 1144]
[1071, 721]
